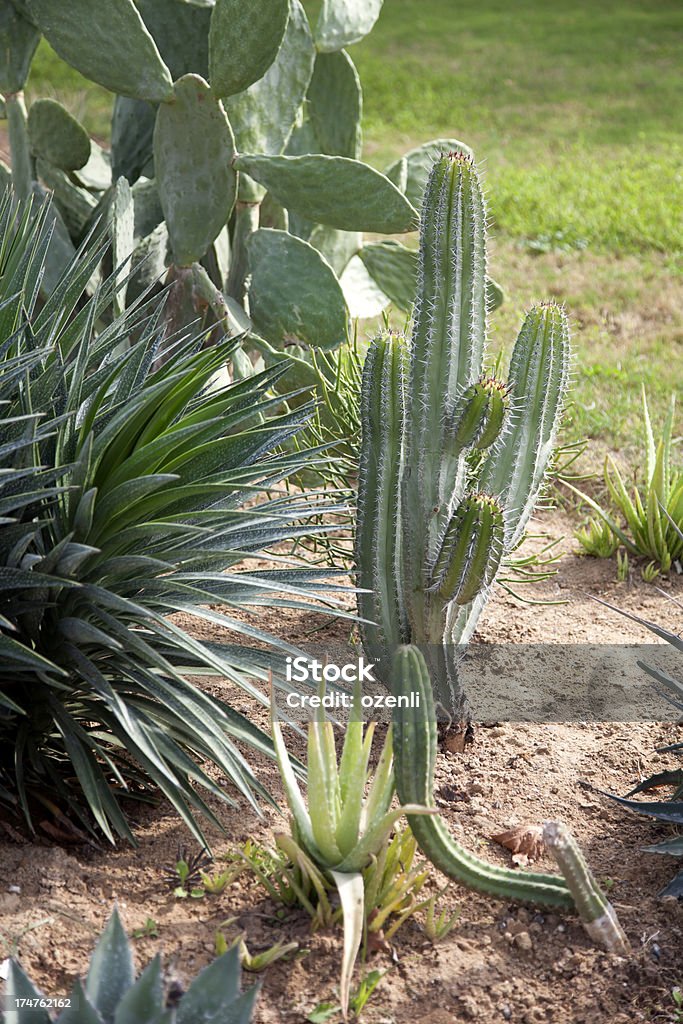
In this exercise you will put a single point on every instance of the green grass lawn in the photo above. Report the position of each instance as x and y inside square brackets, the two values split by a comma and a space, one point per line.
[573, 110]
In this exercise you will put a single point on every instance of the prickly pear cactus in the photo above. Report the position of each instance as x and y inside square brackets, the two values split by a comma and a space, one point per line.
[232, 121]
[452, 460]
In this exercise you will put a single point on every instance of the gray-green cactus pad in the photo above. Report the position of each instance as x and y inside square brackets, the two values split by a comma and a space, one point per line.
[343, 22]
[333, 190]
[243, 42]
[193, 151]
[335, 103]
[56, 136]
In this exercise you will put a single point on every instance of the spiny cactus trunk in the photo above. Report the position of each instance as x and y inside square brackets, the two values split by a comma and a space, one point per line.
[452, 523]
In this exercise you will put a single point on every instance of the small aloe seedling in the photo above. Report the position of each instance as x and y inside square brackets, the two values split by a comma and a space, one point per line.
[348, 817]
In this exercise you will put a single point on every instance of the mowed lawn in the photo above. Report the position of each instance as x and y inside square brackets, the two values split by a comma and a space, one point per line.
[574, 113]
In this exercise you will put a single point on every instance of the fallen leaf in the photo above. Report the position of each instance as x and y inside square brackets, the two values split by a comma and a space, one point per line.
[524, 841]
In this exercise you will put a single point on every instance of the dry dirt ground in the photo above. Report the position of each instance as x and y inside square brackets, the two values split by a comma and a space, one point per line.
[501, 962]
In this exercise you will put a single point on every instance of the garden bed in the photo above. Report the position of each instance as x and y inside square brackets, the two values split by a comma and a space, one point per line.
[499, 962]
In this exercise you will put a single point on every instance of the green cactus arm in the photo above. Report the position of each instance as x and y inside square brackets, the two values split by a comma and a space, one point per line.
[448, 335]
[596, 912]
[539, 374]
[415, 745]
[378, 535]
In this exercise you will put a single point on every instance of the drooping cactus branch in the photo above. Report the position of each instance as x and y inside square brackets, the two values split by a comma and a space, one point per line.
[452, 460]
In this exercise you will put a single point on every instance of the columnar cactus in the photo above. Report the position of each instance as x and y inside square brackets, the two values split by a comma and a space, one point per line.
[452, 460]
[237, 127]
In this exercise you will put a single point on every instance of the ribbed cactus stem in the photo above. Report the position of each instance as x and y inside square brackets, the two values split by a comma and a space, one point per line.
[448, 339]
[479, 415]
[471, 550]
[415, 748]
[378, 536]
[596, 912]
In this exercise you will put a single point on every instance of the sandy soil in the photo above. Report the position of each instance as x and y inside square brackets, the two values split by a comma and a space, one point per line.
[500, 963]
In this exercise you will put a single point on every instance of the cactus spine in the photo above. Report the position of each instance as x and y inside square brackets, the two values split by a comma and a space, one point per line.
[451, 523]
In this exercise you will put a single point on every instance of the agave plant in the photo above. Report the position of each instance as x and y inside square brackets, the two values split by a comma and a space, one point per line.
[342, 828]
[652, 517]
[112, 994]
[127, 495]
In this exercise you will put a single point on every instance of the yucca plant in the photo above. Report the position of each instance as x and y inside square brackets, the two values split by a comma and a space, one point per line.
[112, 994]
[651, 514]
[348, 818]
[128, 494]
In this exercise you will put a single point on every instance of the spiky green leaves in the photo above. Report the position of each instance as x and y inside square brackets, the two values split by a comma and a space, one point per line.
[343, 22]
[294, 297]
[244, 39]
[112, 992]
[333, 190]
[111, 47]
[193, 151]
[56, 136]
[470, 551]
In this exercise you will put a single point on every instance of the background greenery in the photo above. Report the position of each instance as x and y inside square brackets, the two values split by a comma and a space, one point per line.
[574, 112]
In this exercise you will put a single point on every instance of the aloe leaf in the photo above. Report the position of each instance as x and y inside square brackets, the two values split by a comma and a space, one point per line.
[411, 171]
[335, 105]
[243, 42]
[351, 897]
[113, 49]
[194, 147]
[57, 136]
[263, 116]
[343, 22]
[322, 798]
[294, 296]
[111, 973]
[295, 799]
[333, 190]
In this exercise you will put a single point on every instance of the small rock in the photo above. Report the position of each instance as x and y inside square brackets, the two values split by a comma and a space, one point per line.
[16, 889]
[506, 1012]
[523, 940]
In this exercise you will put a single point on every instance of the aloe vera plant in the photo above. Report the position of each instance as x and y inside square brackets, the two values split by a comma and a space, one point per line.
[237, 127]
[122, 504]
[653, 515]
[342, 828]
[452, 460]
[112, 994]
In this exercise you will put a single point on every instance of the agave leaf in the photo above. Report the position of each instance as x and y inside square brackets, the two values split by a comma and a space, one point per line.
[670, 847]
[80, 1011]
[214, 991]
[111, 973]
[144, 997]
